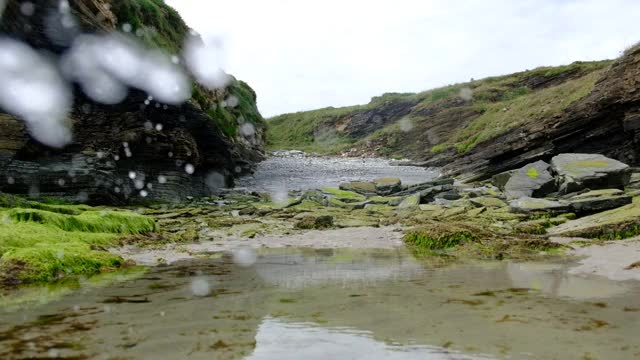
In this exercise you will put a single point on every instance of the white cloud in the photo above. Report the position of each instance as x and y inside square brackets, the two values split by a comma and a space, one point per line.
[301, 55]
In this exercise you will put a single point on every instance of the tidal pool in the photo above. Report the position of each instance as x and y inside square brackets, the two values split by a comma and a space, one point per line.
[299, 303]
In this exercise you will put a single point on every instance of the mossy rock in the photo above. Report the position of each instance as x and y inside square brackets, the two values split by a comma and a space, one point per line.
[361, 187]
[387, 185]
[532, 180]
[410, 202]
[488, 202]
[619, 223]
[440, 235]
[344, 195]
[315, 222]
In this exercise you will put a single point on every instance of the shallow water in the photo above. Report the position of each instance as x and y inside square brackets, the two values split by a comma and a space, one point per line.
[333, 304]
[300, 172]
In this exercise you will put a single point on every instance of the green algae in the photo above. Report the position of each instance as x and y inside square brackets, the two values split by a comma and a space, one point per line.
[437, 236]
[38, 245]
[533, 173]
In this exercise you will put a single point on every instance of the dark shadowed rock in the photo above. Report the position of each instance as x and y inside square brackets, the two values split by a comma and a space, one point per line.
[532, 180]
[593, 171]
[500, 180]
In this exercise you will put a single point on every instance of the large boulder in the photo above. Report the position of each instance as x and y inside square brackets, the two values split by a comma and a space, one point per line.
[589, 171]
[598, 200]
[532, 180]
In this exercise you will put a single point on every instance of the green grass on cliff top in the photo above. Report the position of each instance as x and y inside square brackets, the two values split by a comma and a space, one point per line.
[502, 103]
[39, 245]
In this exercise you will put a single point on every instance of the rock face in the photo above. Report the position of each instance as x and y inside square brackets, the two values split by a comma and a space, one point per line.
[131, 150]
[589, 171]
[532, 180]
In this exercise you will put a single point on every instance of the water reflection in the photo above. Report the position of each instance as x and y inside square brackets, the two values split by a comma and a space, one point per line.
[303, 303]
[277, 339]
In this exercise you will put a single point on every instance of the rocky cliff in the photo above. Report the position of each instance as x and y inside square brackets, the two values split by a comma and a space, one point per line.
[484, 127]
[138, 148]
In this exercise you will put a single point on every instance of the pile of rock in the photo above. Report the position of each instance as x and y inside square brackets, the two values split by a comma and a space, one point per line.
[579, 183]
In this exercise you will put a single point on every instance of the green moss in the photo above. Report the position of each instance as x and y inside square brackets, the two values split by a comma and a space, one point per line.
[343, 195]
[436, 149]
[40, 245]
[533, 173]
[89, 221]
[436, 236]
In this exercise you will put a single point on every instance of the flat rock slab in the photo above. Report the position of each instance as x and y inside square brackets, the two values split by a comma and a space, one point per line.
[599, 200]
[592, 171]
[488, 202]
[410, 201]
[532, 180]
[526, 205]
[602, 224]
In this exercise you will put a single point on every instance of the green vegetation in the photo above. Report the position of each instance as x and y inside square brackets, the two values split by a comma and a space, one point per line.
[437, 235]
[40, 242]
[496, 105]
[159, 24]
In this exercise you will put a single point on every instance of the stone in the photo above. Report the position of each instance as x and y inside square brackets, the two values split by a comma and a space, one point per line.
[360, 187]
[618, 223]
[429, 194]
[532, 180]
[598, 200]
[410, 201]
[387, 186]
[527, 205]
[592, 171]
[343, 195]
[488, 202]
[500, 180]
[448, 195]
[315, 222]
[412, 189]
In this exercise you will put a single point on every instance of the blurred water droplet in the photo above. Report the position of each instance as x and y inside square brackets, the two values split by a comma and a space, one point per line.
[159, 127]
[215, 181]
[11, 180]
[126, 27]
[189, 169]
[144, 193]
[244, 256]
[162, 179]
[466, 94]
[205, 62]
[406, 124]
[27, 8]
[247, 129]
[132, 175]
[200, 287]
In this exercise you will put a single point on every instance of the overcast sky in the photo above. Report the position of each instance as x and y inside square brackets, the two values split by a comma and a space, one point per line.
[301, 55]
